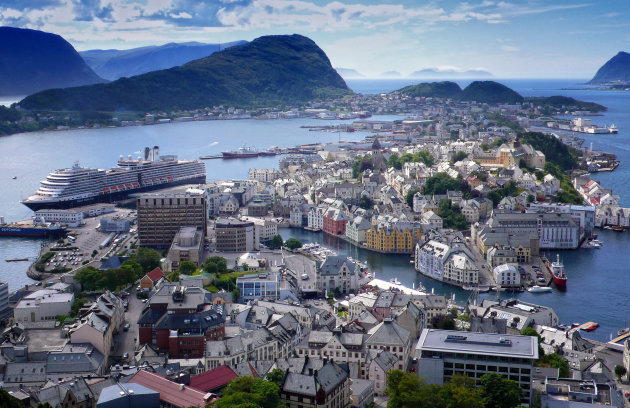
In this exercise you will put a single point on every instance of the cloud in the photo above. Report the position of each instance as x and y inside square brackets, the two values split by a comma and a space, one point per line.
[29, 4]
[87, 10]
[510, 48]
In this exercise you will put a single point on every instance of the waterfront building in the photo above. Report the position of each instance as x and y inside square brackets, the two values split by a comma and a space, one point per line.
[445, 353]
[264, 229]
[335, 221]
[257, 208]
[233, 235]
[393, 236]
[71, 217]
[338, 272]
[315, 220]
[447, 259]
[518, 314]
[357, 228]
[507, 275]
[161, 215]
[583, 215]
[187, 246]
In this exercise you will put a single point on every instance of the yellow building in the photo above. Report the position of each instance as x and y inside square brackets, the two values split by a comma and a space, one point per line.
[398, 239]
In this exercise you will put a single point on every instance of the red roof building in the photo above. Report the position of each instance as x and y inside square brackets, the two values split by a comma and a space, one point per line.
[177, 395]
[213, 380]
[151, 278]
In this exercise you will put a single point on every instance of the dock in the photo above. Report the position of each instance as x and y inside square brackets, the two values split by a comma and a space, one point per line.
[218, 156]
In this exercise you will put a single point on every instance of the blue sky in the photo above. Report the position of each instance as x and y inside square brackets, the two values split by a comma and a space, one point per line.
[510, 38]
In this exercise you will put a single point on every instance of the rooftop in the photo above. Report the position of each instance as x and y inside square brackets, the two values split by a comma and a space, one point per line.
[478, 343]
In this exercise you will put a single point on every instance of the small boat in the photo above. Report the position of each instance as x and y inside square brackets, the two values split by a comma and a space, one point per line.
[539, 289]
[623, 331]
[618, 228]
[591, 327]
[14, 177]
[395, 281]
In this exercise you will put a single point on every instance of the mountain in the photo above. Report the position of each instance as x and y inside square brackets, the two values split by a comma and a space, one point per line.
[445, 89]
[449, 73]
[349, 73]
[389, 74]
[281, 69]
[490, 92]
[32, 60]
[615, 69]
[114, 64]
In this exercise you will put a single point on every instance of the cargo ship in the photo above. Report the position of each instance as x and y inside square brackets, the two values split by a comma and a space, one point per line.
[77, 186]
[17, 229]
[242, 153]
[556, 269]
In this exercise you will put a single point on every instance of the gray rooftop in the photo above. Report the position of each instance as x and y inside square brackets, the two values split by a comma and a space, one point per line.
[478, 343]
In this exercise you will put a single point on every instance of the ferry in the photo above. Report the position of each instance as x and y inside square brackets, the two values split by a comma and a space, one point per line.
[77, 186]
[556, 269]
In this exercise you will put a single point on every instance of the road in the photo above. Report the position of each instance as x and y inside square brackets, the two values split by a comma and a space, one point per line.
[126, 341]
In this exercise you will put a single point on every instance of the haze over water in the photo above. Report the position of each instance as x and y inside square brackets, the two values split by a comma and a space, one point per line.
[598, 279]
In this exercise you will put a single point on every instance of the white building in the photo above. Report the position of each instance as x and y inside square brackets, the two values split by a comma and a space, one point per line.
[44, 304]
[264, 175]
[71, 217]
[357, 228]
[507, 275]
[460, 268]
[337, 272]
[316, 218]
[264, 229]
[429, 259]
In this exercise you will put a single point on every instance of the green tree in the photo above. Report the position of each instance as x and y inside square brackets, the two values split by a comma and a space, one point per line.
[210, 267]
[173, 276]
[409, 197]
[620, 371]
[394, 161]
[276, 376]
[187, 267]
[366, 203]
[78, 303]
[276, 242]
[441, 183]
[148, 258]
[293, 243]
[88, 277]
[499, 392]
[250, 392]
[236, 293]
[459, 156]
[7, 401]
[555, 361]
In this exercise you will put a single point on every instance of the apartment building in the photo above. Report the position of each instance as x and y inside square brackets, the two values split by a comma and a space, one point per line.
[233, 235]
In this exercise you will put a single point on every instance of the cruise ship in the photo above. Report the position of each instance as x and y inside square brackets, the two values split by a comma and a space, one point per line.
[77, 186]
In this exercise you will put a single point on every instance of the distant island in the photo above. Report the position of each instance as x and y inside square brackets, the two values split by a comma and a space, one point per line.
[282, 69]
[566, 103]
[349, 73]
[31, 61]
[449, 73]
[480, 91]
[615, 70]
[113, 64]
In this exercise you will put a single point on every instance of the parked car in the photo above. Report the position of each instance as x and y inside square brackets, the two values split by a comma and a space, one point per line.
[126, 326]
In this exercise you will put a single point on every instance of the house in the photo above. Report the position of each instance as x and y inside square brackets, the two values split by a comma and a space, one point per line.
[338, 273]
[149, 280]
[381, 364]
[122, 395]
[172, 394]
[507, 275]
[213, 380]
[326, 387]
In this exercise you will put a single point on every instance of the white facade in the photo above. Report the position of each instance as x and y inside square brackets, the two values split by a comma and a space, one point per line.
[44, 304]
[264, 175]
[507, 275]
[71, 218]
[264, 229]
[461, 269]
[316, 218]
[430, 257]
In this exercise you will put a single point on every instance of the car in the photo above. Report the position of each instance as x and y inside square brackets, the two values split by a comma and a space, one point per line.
[125, 356]
[126, 326]
[144, 301]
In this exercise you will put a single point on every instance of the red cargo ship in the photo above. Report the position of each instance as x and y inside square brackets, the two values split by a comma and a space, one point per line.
[556, 269]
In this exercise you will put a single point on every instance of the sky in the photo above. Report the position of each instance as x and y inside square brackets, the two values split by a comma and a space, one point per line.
[510, 39]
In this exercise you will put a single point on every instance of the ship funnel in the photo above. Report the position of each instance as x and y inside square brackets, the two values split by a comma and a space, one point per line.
[156, 152]
[129, 157]
[147, 153]
[122, 157]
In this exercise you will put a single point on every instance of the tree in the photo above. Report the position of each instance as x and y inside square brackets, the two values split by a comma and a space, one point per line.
[173, 276]
[441, 183]
[499, 392]
[276, 242]
[88, 277]
[409, 197]
[236, 293]
[555, 361]
[366, 203]
[620, 371]
[7, 401]
[293, 243]
[459, 156]
[219, 262]
[250, 392]
[149, 259]
[394, 161]
[210, 267]
[187, 267]
[276, 376]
